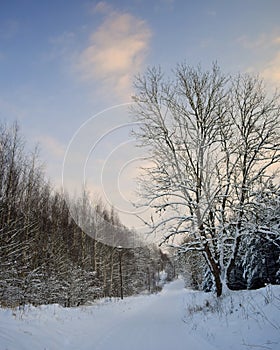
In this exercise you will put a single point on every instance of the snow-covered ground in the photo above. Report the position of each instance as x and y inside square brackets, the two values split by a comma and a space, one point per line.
[175, 319]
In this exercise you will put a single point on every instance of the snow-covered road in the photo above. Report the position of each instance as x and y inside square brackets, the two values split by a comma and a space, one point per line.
[163, 321]
[155, 322]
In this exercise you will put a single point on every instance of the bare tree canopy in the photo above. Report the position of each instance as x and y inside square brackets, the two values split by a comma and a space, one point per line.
[213, 141]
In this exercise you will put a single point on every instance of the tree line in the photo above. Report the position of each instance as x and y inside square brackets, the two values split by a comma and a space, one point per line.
[45, 257]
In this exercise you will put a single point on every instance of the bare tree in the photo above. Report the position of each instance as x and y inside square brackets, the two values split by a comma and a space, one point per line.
[211, 138]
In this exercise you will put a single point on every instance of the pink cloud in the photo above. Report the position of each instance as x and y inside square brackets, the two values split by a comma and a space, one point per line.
[52, 145]
[271, 71]
[116, 51]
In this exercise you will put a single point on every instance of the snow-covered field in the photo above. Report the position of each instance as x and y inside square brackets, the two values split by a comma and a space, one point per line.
[175, 319]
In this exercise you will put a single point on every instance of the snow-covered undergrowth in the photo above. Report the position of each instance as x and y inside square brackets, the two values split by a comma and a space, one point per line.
[175, 318]
[238, 320]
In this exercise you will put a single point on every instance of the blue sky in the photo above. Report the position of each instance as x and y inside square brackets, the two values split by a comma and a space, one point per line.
[64, 61]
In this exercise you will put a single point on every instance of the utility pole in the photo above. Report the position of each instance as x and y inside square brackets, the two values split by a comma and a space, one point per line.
[120, 270]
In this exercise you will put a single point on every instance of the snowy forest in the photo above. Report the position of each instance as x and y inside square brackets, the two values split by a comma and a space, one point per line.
[44, 256]
[213, 142]
[140, 175]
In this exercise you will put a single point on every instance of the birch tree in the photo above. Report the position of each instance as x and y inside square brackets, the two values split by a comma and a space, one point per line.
[210, 138]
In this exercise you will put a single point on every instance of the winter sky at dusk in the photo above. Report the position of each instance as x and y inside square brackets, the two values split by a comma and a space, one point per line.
[62, 62]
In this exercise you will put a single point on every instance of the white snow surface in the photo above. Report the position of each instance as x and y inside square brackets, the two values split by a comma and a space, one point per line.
[175, 318]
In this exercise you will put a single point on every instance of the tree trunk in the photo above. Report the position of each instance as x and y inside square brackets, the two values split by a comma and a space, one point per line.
[215, 270]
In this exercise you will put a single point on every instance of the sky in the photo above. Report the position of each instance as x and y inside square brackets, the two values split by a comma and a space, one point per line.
[67, 70]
